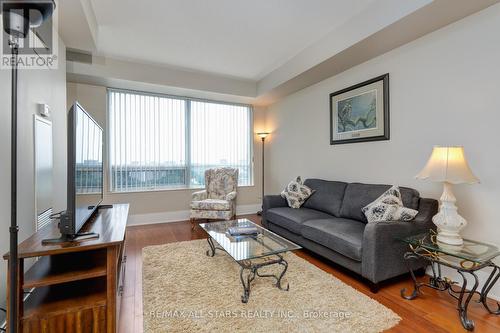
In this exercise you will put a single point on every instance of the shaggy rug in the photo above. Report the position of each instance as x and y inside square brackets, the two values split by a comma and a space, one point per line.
[186, 291]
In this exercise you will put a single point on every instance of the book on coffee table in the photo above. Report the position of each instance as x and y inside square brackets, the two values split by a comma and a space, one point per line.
[243, 231]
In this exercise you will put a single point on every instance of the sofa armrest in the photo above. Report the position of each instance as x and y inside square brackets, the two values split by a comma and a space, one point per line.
[382, 256]
[199, 195]
[271, 201]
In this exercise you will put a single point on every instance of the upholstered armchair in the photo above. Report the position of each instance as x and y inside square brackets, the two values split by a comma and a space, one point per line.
[218, 200]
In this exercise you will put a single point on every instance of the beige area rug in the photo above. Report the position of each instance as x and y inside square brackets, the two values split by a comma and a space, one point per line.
[186, 291]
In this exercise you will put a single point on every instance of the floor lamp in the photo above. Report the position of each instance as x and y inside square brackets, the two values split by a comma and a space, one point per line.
[263, 136]
[18, 18]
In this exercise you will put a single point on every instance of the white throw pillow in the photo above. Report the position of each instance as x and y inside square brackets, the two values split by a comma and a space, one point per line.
[388, 207]
[296, 193]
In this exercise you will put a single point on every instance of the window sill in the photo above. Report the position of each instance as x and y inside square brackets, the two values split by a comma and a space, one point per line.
[192, 188]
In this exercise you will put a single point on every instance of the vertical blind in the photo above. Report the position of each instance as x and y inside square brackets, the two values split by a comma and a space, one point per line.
[160, 142]
[220, 136]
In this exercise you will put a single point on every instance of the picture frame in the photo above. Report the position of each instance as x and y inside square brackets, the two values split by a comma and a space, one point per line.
[360, 113]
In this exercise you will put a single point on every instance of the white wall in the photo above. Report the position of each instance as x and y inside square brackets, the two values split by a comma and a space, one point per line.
[168, 205]
[35, 86]
[444, 90]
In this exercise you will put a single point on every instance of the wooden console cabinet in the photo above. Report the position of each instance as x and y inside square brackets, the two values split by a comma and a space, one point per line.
[75, 286]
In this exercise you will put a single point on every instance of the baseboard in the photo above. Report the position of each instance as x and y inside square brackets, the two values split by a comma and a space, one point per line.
[161, 217]
[482, 277]
[248, 209]
[181, 215]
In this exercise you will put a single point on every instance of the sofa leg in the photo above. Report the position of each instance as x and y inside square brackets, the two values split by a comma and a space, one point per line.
[374, 287]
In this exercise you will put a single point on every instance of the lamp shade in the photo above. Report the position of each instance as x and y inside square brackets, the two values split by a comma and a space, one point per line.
[448, 164]
[263, 135]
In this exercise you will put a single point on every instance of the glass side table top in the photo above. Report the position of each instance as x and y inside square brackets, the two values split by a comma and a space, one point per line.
[247, 247]
[474, 251]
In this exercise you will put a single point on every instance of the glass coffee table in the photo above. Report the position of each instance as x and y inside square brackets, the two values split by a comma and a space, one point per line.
[467, 259]
[250, 252]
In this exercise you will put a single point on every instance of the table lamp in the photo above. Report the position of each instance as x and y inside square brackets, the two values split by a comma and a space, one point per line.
[449, 166]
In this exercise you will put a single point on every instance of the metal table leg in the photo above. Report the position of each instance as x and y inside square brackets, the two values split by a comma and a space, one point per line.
[416, 284]
[462, 295]
[463, 304]
[436, 281]
[490, 282]
[250, 270]
[211, 252]
[283, 263]
[246, 282]
[213, 247]
[253, 271]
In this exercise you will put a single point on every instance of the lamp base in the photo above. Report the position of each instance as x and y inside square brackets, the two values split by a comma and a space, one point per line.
[448, 221]
[455, 239]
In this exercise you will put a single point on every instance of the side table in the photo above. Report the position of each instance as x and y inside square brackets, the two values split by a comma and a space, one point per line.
[466, 260]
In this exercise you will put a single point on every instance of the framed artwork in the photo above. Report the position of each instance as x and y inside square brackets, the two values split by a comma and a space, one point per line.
[360, 113]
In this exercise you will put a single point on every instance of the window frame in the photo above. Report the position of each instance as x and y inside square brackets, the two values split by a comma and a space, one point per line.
[187, 101]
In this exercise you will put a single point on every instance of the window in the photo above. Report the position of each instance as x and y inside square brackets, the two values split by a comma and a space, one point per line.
[162, 142]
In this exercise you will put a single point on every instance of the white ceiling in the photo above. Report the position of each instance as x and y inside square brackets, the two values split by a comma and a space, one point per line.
[238, 50]
[237, 38]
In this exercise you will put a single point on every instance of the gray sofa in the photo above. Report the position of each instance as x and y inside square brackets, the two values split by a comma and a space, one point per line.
[331, 224]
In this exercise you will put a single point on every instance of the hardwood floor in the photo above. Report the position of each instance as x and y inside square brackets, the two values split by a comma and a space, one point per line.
[431, 312]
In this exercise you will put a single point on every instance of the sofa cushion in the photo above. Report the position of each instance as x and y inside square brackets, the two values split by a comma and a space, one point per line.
[296, 193]
[292, 218]
[327, 197]
[359, 195]
[388, 207]
[344, 236]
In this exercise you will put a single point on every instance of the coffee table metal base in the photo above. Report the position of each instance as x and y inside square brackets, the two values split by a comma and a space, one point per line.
[249, 269]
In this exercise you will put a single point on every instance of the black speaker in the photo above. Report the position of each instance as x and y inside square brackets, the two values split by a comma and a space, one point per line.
[19, 16]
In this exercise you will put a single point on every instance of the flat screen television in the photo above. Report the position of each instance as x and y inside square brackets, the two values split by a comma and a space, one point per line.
[85, 172]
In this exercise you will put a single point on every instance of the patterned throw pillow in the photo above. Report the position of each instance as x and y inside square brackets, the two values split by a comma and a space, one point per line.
[296, 193]
[388, 207]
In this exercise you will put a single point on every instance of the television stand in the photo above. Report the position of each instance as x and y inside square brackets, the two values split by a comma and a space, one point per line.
[79, 237]
[74, 286]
